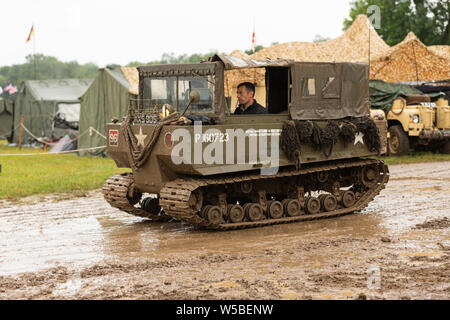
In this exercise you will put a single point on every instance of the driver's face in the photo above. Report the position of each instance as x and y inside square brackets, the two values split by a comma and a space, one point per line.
[244, 96]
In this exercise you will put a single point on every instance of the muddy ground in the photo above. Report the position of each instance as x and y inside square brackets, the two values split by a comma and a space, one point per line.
[56, 247]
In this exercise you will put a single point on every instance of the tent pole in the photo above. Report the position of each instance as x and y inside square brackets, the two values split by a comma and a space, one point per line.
[34, 54]
[369, 24]
[20, 132]
[415, 63]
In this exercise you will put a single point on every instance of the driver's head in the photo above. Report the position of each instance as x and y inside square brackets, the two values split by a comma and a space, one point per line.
[246, 93]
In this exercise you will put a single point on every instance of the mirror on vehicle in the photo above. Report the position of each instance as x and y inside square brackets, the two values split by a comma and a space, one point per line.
[194, 96]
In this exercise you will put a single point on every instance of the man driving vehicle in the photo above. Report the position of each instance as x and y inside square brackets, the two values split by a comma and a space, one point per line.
[247, 102]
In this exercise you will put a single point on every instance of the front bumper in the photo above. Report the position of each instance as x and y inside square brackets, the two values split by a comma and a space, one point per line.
[434, 134]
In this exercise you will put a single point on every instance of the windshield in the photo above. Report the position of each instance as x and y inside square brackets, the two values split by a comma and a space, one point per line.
[175, 91]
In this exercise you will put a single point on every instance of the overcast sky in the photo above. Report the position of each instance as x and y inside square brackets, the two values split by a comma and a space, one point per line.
[119, 32]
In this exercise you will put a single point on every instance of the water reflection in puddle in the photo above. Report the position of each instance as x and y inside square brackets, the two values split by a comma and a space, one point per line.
[86, 231]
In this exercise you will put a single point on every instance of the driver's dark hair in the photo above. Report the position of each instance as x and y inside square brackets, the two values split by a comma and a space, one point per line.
[248, 85]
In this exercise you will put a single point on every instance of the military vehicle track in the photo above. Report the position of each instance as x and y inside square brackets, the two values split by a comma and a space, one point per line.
[176, 197]
[117, 190]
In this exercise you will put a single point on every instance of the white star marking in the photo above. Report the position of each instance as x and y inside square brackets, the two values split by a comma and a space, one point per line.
[141, 137]
[359, 138]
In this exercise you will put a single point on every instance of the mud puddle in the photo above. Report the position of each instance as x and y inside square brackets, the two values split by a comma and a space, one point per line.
[397, 248]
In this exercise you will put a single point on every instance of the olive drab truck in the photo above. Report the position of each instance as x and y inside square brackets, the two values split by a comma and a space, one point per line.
[192, 160]
[417, 123]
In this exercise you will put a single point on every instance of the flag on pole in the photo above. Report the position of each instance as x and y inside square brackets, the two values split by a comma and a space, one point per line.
[253, 39]
[31, 33]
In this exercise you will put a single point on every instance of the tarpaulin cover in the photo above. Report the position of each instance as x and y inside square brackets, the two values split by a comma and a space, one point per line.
[435, 88]
[231, 62]
[340, 89]
[348, 83]
[383, 94]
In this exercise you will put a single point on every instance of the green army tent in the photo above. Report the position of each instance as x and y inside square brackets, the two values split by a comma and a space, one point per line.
[40, 101]
[5, 118]
[108, 97]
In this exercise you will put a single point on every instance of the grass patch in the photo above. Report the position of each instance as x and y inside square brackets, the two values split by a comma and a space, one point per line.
[23, 176]
[416, 157]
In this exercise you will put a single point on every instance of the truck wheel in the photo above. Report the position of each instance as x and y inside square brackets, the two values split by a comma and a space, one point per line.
[398, 141]
[445, 149]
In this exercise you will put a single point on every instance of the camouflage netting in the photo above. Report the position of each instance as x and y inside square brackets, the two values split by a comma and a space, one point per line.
[296, 132]
[310, 132]
[410, 60]
[371, 133]
[305, 130]
[329, 136]
[348, 132]
[351, 46]
[290, 142]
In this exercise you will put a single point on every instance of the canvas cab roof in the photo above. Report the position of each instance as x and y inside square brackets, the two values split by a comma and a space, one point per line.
[310, 90]
[231, 62]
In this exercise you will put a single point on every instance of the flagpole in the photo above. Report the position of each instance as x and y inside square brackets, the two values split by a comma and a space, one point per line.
[368, 61]
[253, 36]
[253, 49]
[34, 53]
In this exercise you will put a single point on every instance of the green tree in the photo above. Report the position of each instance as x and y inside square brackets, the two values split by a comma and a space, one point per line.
[428, 19]
[43, 67]
[319, 38]
[184, 58]
[257, 48]
[172, 58]
[86, 71]
[441, 13]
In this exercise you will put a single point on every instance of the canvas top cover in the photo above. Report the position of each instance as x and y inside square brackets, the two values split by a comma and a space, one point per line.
[346, 92]
[383, 94]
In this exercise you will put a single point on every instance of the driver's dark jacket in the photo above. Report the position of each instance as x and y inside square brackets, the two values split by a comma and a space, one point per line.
[255, 108]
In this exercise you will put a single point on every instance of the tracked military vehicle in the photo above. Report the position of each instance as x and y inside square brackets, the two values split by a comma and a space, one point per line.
[194, 161]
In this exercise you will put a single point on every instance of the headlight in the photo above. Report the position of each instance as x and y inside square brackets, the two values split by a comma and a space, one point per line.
[415, 118]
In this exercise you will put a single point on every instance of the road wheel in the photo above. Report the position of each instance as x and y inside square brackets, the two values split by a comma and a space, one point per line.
[398, 141]
[445, 149]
